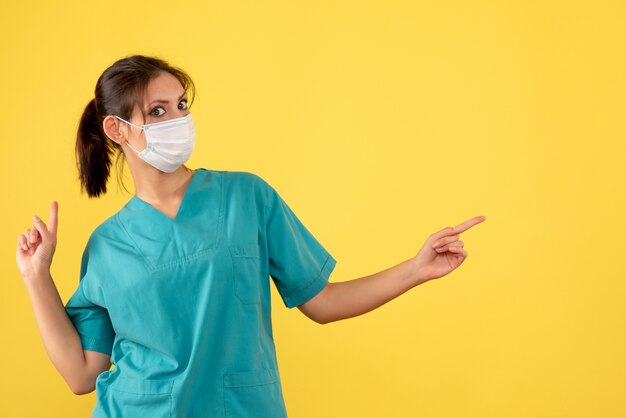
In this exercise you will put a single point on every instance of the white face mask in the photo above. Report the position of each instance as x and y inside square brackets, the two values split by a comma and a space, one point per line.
[168, 143]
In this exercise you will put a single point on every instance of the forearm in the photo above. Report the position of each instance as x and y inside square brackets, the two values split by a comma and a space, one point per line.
[355, 297]
[59, 335]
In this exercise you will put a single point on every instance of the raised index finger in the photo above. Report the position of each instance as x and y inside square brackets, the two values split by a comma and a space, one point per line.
[54, 218]
[468, 224]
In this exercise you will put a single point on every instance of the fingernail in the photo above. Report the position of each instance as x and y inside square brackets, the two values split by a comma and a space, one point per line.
[36, 218]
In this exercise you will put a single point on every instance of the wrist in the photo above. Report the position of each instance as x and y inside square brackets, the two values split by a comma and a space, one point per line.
[37, 279]
[417, 276]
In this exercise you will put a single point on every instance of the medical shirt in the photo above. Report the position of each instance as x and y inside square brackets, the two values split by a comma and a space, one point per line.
[183, 305]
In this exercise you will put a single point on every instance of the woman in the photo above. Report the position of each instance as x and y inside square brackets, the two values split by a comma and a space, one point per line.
[173, 288]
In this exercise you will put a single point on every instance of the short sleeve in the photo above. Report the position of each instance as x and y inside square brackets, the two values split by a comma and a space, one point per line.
[299, 265]
[90, 317]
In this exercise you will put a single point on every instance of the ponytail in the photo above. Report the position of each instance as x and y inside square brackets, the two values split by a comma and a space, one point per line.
[93, 152]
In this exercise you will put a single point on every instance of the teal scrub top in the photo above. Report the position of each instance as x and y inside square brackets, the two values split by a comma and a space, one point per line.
[183, 305]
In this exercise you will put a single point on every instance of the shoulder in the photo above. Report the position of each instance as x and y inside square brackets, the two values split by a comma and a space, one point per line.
[240, 181]
[243, 178]
[101, 238]
[106, 231]
[247, 189]
[111, 231]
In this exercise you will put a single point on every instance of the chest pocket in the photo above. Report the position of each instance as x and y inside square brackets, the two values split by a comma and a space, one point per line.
[246, 272]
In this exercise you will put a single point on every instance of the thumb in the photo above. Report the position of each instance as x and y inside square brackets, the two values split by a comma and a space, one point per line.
[41, 228]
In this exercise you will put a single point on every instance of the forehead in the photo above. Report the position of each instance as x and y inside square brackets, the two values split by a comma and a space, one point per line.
[163, 87]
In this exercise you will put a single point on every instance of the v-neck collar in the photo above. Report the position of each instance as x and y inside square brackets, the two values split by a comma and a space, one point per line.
[137, 202]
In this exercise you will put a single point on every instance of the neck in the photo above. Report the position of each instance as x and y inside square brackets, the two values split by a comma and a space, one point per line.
[154, 186]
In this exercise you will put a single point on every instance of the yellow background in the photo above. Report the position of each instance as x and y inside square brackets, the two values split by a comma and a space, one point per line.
[379, 122]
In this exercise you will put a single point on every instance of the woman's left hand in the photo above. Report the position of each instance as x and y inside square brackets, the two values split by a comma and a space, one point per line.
[443, 252]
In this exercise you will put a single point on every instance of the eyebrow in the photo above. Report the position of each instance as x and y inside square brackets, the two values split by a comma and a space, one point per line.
[165, 101]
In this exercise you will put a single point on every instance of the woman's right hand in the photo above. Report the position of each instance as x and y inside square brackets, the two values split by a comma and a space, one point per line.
[35, 247]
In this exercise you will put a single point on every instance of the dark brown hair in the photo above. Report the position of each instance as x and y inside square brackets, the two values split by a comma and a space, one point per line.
[118, 90]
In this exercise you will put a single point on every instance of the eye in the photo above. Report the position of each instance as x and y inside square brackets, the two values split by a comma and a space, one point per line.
[157, 111]
[182, 105]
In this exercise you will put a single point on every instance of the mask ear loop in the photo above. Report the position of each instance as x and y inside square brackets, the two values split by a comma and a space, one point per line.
[131, 124]
[133, 148]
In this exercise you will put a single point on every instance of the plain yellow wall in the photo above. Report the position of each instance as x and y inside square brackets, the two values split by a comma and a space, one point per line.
[379, 122]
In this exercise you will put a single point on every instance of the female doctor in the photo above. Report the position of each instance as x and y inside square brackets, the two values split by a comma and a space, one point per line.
[174, 287]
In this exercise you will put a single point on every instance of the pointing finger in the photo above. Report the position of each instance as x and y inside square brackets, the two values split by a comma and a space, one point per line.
[468, 224]
[54, 218]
